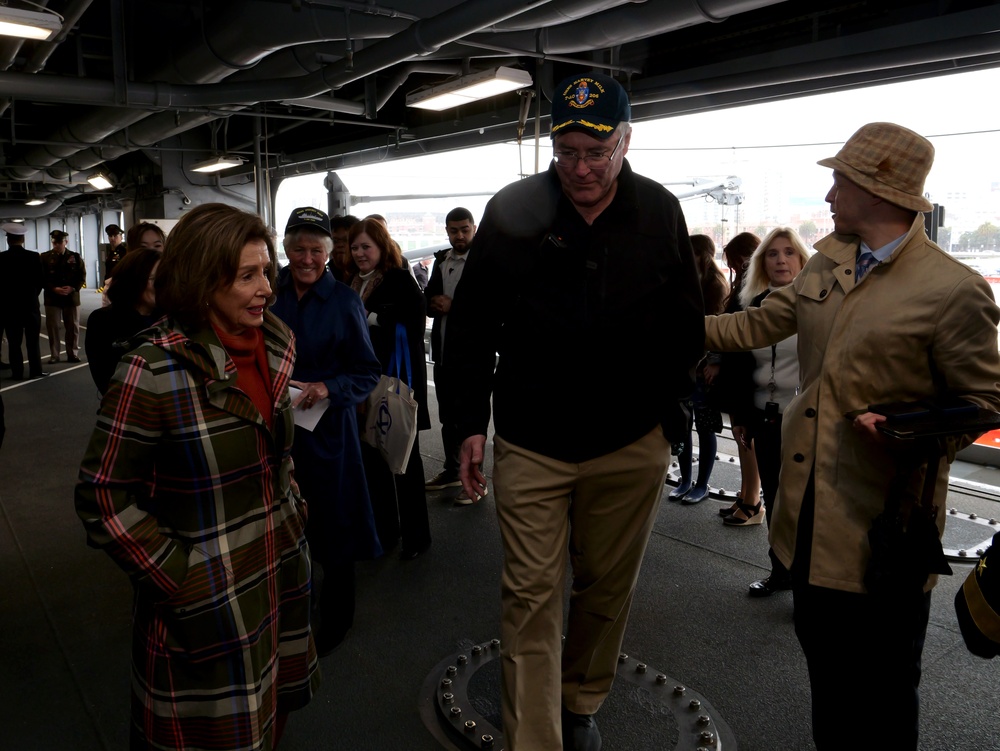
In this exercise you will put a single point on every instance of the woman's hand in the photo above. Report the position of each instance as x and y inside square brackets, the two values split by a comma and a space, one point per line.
[740, 435]
[311, 393]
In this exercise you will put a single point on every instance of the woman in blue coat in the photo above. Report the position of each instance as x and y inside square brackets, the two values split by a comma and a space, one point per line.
[334, 362]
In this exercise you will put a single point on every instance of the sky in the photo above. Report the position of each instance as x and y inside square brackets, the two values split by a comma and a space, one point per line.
[758, 143]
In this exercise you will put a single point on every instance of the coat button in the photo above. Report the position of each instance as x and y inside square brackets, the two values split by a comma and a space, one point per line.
[810, 412]
[822, 294]
[848, 271]
[799, 458]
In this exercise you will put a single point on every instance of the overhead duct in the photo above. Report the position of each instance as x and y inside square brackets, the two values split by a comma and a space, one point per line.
[222, 52]
[622, 24]
[221, 56]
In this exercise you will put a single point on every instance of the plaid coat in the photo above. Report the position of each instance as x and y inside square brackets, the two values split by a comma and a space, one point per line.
[192, 495]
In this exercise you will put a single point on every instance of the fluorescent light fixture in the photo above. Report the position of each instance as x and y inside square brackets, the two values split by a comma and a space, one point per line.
[217, 163]
[29, 24]
[100, 180]
[469, 88]
[34, 201]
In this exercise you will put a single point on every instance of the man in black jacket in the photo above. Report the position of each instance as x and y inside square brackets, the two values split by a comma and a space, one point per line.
[440, 290]
[583, 280]
[21, 279]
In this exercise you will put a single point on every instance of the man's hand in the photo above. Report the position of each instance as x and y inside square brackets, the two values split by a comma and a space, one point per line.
[709, 373]
[867, 423]
[441, 304]
[471, 459]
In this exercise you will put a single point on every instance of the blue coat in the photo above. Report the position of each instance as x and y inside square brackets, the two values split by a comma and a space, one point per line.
[332, 346]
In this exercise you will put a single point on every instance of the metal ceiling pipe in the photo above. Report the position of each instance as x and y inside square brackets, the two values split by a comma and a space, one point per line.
[102, 124]
[862, 62]
[559, 12]
[225, 47]
[400, 74]
[43, 51]
[624, 24]
[203, 61]
[426, 36]
[145, 133]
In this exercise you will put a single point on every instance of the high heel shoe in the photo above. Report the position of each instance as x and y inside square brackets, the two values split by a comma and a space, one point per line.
[680, 491]
[751, 515]
[729, 510]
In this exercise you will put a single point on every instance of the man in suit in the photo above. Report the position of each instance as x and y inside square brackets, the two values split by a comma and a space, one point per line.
[21, 279]
[440, 289]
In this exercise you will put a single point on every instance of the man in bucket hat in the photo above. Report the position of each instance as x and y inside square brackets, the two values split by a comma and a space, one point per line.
[882, 315]
[573, 277]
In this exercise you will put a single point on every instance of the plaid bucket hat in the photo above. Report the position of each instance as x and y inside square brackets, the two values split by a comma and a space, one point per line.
[888, 161]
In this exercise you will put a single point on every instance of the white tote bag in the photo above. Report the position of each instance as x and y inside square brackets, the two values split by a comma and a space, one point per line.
[391, 418]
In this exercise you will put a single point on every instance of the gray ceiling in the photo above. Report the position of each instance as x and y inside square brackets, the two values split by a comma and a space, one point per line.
[298, 86]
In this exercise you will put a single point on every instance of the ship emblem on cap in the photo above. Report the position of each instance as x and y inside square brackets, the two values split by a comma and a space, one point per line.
[582, 95]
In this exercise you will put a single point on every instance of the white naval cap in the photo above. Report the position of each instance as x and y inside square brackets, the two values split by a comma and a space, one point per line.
[13, 228]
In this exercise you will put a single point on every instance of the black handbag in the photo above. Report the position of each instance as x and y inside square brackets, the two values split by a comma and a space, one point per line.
[904, 539]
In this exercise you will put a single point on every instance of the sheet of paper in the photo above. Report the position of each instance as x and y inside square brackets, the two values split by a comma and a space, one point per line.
[307, 418]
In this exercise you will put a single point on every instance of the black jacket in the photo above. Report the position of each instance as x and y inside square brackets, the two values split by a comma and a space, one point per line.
[597, 326]
[109, 334]
[22, 277]
[398, 299]
[435, 286]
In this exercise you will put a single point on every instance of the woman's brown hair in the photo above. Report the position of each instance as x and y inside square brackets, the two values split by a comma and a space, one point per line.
[391, 256]
[131, 275]
[202, 255]
[737, 253]
[714, 286]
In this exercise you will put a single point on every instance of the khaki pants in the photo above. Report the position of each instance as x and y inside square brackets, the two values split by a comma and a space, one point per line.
[600, 513]
[70, 316]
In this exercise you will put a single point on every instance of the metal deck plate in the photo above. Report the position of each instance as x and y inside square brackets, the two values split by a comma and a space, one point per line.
[646, 706]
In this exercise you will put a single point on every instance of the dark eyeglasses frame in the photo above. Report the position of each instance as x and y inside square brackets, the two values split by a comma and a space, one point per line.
[594, 162]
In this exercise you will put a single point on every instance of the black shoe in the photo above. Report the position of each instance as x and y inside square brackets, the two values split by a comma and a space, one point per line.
[39, 375]
[4, 366]
[768, 586]
[72, 358]
[730, 510]
[408, 554]
[326, 642]
[580, 732]
[443, 480]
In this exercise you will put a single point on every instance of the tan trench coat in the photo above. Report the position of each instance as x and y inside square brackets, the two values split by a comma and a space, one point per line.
[920, 324]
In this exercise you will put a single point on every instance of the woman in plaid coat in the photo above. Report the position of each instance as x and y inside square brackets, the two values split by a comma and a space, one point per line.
[187, 484]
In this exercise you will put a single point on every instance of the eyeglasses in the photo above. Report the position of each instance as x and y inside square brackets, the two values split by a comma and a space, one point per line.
[595, 161]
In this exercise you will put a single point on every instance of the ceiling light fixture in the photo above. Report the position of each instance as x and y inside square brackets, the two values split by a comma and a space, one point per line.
[469, 88]
[29, 24]
[100, 180]
[218, 163]
[34, 201]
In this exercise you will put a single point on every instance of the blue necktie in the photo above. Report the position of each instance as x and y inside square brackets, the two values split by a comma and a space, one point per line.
[865, 261]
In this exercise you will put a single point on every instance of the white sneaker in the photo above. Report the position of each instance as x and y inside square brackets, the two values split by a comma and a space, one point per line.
[462, 499]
